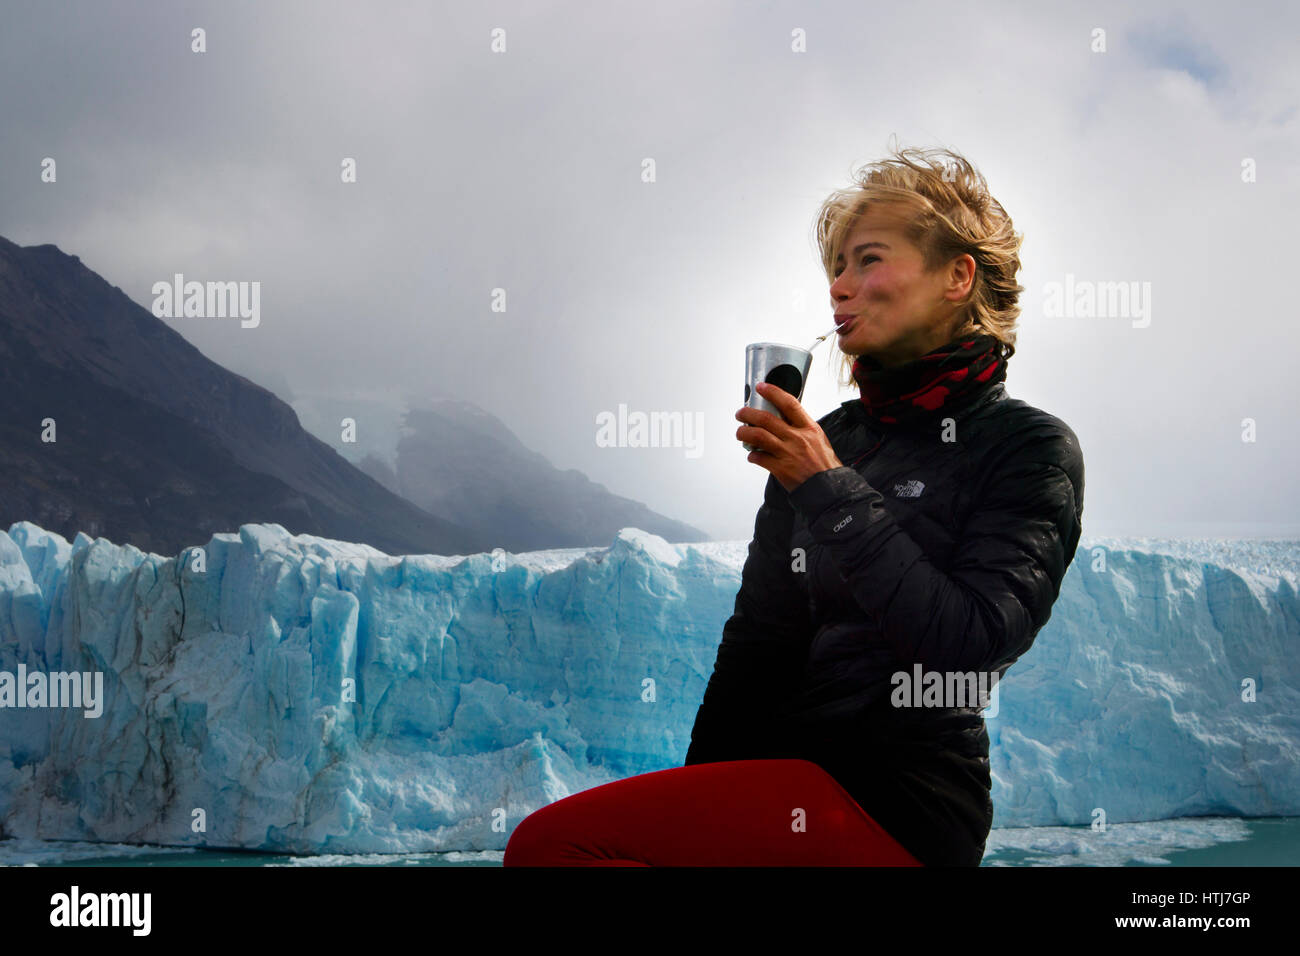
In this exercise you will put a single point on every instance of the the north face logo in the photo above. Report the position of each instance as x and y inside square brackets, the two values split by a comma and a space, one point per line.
[912, 489]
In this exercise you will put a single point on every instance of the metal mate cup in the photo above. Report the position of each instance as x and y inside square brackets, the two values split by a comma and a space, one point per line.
[785, 366]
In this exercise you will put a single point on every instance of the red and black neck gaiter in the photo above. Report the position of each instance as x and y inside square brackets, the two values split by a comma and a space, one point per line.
[948, 377]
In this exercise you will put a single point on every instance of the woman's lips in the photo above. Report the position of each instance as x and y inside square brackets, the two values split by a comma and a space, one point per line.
[846, 326]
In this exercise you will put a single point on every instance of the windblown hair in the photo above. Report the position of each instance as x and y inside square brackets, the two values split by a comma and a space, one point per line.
[944, 207]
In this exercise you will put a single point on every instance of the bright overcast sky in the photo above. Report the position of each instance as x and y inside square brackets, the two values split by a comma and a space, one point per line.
[522, 170]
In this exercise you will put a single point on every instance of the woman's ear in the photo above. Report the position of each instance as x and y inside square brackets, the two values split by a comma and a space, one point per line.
[961, 274]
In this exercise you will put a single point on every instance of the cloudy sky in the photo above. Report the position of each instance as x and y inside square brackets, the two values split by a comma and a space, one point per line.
[480, 169]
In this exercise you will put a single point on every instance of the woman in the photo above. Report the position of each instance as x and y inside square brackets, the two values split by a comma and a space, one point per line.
[921, 529]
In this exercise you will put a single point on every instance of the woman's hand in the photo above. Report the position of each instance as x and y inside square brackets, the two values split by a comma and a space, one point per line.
[793, 449]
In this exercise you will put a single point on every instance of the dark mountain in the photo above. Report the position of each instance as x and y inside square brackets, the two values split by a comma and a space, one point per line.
[156, 444]
[159, 446]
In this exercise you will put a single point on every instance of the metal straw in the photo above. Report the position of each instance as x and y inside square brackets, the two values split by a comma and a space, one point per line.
[820, 340]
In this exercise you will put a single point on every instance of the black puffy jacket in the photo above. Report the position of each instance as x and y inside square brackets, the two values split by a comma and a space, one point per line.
[942, 543]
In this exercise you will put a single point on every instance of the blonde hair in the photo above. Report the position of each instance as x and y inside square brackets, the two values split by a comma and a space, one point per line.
[944, 207]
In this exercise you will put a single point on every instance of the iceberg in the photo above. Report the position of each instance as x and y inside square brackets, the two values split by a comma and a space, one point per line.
[294, 694]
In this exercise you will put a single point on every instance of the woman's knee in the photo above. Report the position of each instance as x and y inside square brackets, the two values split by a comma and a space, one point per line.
[532, 842]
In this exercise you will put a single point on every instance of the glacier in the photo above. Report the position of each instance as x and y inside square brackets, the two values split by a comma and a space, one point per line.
[293, 694]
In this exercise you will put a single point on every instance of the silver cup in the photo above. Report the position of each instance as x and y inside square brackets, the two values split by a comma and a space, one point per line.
[785, 366]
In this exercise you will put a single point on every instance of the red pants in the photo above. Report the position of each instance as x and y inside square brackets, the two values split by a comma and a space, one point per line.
[733, 813]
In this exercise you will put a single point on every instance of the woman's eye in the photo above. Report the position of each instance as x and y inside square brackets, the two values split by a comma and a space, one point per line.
[865, 260]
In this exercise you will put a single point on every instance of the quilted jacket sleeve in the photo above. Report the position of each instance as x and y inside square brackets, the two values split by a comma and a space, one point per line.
[764, 645]
[1005, 572]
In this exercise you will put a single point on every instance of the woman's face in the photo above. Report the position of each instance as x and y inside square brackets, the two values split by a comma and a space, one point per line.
[886, 305]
